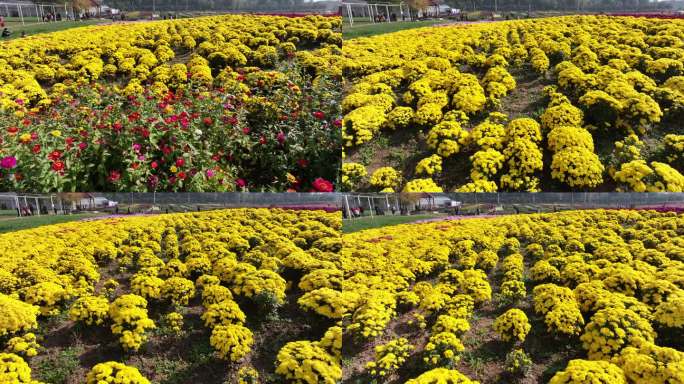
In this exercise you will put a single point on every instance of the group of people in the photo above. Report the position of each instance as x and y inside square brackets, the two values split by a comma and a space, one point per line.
[51, 16]
[5, 31]
[358, 211]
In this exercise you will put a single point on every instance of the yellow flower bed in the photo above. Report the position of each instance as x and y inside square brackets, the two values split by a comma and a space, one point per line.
[40, 67]
[251, 256]
[608, 282]
[610, 77]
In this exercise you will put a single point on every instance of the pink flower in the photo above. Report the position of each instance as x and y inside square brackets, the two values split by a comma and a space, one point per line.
[210, 173]
[114, 176]
[240, 183]
[184, 122]
[136, 147]
[82, 146]
[8, 162]
[280, 137]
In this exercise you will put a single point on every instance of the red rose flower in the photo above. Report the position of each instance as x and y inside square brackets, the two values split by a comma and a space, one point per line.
[319, 115]
[208, 121]
[262, 140]
[303, 163]
[245, 130]
[36, 149]
[181, 175]
[180, 162]
[322, 185]
[154, 165]
[240, 183]
[280, 137]
[12, 130]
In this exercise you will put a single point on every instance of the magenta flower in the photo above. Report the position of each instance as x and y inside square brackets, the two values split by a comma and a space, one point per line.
[8, 162]
[210, 173]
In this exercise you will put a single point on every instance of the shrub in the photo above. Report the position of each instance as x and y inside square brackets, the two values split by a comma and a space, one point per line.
[442, 376]
[13, 369]
[565, 318]
[178, 290]
[47, 296]
[90, 310]
[650, 363]
[612, 329]
[26, 345]
[451, 324]
[517, 362]
[146, 286]
[446, 138]
[385, 177]
[512, 325]
[224, 313]
[129, 316]
[16, 316]
[583, 371]
[389, 357]
[214, 294]
[232, 341]
[543, 272]
[670, 313]
[113, 372]
[443, 349]
[305, 362]
[247, 375]
[577, 167]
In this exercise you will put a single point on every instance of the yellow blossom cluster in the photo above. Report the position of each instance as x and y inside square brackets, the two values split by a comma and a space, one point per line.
[115, 373]
[389, 357]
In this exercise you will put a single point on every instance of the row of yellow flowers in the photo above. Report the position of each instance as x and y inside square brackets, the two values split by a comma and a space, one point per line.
[164, 266]
[610, 77]
[165, 53]
[611, 280]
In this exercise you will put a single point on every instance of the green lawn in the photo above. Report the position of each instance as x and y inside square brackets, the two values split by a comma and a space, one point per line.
[368, 29]
[33, 29]
[19, 223]
[368, 222]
